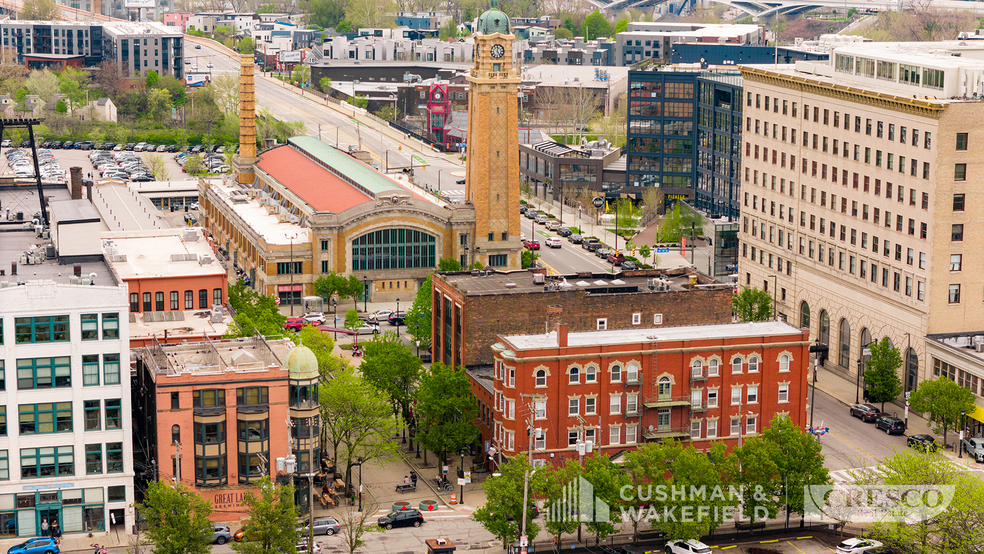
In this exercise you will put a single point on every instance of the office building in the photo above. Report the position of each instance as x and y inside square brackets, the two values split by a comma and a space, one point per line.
[654, 40]
[858, 207]
[620, 388]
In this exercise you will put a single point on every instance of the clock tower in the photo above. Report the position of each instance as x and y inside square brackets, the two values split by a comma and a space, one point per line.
[492, 170]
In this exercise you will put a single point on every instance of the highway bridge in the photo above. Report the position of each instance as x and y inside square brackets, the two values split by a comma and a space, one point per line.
[768, 8]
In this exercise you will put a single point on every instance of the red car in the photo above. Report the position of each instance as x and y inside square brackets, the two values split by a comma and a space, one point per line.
[533, 244]
[296, 323]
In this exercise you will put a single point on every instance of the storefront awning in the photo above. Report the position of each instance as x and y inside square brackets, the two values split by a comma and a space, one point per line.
[977, 413]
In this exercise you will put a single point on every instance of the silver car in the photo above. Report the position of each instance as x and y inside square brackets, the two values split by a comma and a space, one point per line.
[975, 448]
[221, 534]
[325, 525]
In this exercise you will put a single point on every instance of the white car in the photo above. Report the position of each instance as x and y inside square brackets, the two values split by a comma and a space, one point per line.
[689, 547]
[856, 546]
[316, 318]
[368, 329]
[553, 242]
[302, 548]
[380, 315]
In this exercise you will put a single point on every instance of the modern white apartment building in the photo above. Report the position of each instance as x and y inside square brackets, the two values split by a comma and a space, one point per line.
[66, 455]
[858, 207]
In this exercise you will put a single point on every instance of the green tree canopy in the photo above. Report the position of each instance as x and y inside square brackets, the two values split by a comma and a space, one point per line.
[448, 264]
[393, 368]
[881, 375]
[40, 10]
[329, 284]
[945, 401]
[502, 514]
[563, 33]
[752, 304]
[323, 347]
[418, 320]
[798, 460]
[253, 313]
[152, 77]
[596, 25]
[272, 520]
[446, 409]
[177, 519]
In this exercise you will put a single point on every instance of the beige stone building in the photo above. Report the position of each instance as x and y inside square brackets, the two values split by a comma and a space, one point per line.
[857, 197]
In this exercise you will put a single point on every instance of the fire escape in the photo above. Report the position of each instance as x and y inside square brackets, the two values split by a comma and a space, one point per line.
[668, 406]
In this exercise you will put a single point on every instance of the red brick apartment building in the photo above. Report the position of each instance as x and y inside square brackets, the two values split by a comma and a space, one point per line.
[619, 388]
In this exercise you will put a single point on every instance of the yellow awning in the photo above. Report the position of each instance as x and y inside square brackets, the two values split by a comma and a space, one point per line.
[977, 413]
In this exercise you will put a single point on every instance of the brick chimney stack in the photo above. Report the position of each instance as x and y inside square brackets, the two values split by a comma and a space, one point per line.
[562, 335]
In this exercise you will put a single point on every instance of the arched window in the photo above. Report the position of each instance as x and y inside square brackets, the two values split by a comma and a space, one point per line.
[824, 332]
[665, 387]
[736, 364]
[784, 363]
[912, 369]
[844, 359]
[697, 369]
[574, 376]
[175, 434]
[590, 374]
[804, 315]
[712, 367]
[394, 249]
[865, 337]
[616, 373]
[541, 378]
[753, 364]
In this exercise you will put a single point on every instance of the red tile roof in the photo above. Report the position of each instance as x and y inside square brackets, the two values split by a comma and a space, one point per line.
[312, 183]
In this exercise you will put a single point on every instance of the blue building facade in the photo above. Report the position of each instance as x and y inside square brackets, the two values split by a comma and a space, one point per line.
[684, 136]
[736, 54]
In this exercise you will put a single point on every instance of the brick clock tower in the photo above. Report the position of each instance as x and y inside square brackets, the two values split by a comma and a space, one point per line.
[492, 170]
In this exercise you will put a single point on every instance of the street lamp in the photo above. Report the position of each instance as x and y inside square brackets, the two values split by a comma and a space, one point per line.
[461, 499]
[397, 318]
[365, 294]
[960, 447]
[360, 483]
[857, 391]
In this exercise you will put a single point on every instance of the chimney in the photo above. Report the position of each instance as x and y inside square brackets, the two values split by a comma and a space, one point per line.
[76, 179]
[562, 335]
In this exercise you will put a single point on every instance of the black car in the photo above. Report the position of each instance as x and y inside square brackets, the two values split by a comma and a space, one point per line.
[459, 182]
[593, 246]
[891, 425]
[402, 518]
[866, 412]
[56, 144]
[129, 146]
[522, 208]
[396, 318]
[924, 443]
[564, 231]
[575, 238]
[25, 144]
[68, 145]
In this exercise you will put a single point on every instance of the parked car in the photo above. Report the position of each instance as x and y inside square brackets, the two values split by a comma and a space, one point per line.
[564, 231]
[553, 225]
[857, 545]
[459, 182]
[241, 534]
[380, 315]
[891, 425]
[368, 329]
[585, 243]
[37, 545]
[542, 219]
[396, 318]
[628, 265]
[220, 533]
[5, 143]
[522, 208]
[554, 242]
[302, 548]
[296, 323]
[594, 246]
[316, 318]
[602, 252]
[866, 412]
[530, 214]
[325, 525]
[402, 518]
[924, 443]
[689, 547]
[974, 448]
[616, 258]
[575, 238]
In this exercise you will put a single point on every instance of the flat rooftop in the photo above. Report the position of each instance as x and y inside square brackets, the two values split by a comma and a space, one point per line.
[547, 75]
[122, 208]
[160, 253]
[482, 376]
[265, 224]
[965, 343]
[653, 334]
[176, 325]
[241, 355]
[481, 283]
[18, 237]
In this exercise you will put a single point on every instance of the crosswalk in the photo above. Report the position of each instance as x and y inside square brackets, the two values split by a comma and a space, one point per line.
[848, 476]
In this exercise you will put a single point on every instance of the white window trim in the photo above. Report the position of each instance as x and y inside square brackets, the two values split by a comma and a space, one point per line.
[740, 390]
[717, 369]
[717, 397]
[578, 399]
[593, 374]
[657, 319]
[708, 428]
[757, 393]
[789, 363]
[595, 410]
[611, 374]
[700, 428]
[758, 363]
[619, 430]
[602, 324]
[636, 318]
[732, 364]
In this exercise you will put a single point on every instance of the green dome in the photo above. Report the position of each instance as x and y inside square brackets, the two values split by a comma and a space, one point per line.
[302, 364]
[493, 21]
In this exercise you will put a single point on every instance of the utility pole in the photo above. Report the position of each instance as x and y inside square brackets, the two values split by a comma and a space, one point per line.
[530, 434]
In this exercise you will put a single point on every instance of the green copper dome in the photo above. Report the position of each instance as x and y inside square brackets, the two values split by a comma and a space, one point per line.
[493, 21]
[302, 364]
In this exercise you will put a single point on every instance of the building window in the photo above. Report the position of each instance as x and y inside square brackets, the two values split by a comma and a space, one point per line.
[203, 299]
[207, 398]
[783, 394]
[589, 405]
[735, 426]
[248, 396]
[290, 268]
[573, 406]
[845, 343]
[175, 401]
[395, 249]
[616, 373]
[631, 404]
[960, 172]
[210, 470]
[114, 414]
[147, 302]
[752, 394]
[44, 373]
[713, 367]
[573, 376]
[954, 294]
[784, 363]
[956, 232]
[251, 431]
[751, 425]
[41, 329]
[540, 409]
[134, 302]
[697, 369]
[956, 260]
[498, 260]
[590, 374]
[602, 324]
[189, 300]
[615, 404]
[50, 461]
[636, 318]
[90, 370]
[91, 415]
[961, 141]
[958, 202]
[632, 374]
[216, 297]
[753, 364]
[736, 365]
[37, 419]
[111, 369]
[93, 459]
[90, 326]
[159, 301]
[209, 433]
[541, 378]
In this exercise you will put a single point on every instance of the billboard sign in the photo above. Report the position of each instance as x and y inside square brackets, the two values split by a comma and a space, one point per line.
[140, 4]
[294, 56]
[196, 79]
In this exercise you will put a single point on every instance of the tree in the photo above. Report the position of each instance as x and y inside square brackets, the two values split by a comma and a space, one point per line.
[352, 322]
[226, 93]
[329, 284]
[272, 520]
[392, 368]
[301, 75]
[74, 84]
[159, 105]
[945, 401]
[681, 221]
[446, 409]
[266, 8]
[358, 420]
[370, 13]
[607, 480]
[158, 167]
[752, 304]
[595, 25]
[798, 461]
[562, 33]
[40, 10]
[246, 45]
[359, 101]
[325, 84]
[692, 470]
[502, 514]
[386, 113]
[449, 30]
[43, 84]
[324, 350]
[354, 290]
[621, 26]
[419, 315]
[152, 77]
[448, 264]
[355, 525]
[324, 13]
[528, 258]
[881, 377]
[193, 164]
[177, 519]
[253, 313]
[108, 78]
[753, 466]
[552, 485]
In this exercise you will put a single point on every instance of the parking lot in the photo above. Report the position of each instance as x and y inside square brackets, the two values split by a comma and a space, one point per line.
[71, 158]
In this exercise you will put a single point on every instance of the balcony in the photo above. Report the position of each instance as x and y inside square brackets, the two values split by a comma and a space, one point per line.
[667, 401]
[698, 407]
[631, 379]
[666, 432]
[697, 376]
[633, 413]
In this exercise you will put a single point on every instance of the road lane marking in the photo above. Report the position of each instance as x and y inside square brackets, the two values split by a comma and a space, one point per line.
[849, 443]
[794, 546]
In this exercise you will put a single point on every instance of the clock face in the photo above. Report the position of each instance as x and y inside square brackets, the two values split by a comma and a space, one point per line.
[497, 51]
[438, 96]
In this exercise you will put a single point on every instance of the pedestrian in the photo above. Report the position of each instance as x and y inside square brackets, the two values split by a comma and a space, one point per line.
[44, 528]
[413, 478]
[406, 480]
[56, 533]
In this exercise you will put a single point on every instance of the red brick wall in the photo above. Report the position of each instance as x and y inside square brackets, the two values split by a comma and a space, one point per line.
[672, 359]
